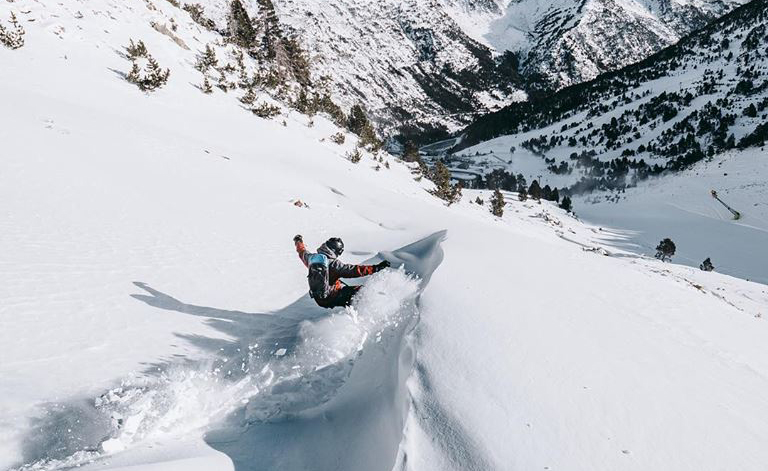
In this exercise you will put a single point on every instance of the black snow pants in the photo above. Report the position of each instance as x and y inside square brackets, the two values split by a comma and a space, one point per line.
[341, 297]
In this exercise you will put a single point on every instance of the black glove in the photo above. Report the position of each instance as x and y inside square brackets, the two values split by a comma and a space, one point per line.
[297, 238]
[382, 265]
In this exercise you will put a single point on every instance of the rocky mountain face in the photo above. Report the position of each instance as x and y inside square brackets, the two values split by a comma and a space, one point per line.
[421, 65]
[409, 62]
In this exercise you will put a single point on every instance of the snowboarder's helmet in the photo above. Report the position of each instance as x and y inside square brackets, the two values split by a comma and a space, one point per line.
[336, 245]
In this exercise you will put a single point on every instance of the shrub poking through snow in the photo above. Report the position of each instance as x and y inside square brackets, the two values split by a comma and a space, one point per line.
[148, 77]
[497, 203]
[665, 250]
[266, 111]
[249, 98]
[706, 265]
[206, 59]
[445, 190]
[197, 13]
[479, 201]
[355, 156]
[12, 37]
[136, 50]
[338, 138]
[206, 86]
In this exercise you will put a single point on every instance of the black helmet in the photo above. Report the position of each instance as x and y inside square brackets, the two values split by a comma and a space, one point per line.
[336, 245]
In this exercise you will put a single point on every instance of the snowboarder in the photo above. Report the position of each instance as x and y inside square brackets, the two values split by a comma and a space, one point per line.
[325, 271]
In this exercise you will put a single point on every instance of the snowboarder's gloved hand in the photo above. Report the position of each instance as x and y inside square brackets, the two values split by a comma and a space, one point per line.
[382, 265]
[297, 238]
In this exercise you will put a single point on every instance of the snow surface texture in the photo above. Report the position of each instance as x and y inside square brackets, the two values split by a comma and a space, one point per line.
[147, 238]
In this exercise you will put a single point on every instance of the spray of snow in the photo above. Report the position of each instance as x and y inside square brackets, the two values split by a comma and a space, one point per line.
[272, 384]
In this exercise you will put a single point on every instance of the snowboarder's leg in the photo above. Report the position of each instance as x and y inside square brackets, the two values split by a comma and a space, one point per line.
[342, 297]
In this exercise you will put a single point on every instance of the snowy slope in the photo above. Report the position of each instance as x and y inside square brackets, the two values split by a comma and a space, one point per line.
[681, 207]
[154, 315]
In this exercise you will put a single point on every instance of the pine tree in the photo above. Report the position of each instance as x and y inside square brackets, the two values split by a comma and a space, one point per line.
[355, 156]
[665, 250]
[535, 190]
[706, 265]
[546, 193]
[566, 203]
[240, 26]
[12, 38]
[197, 14]
[134, 76]
[266, 111]
[206, 87]
[206, 59]
[441, 176]
[521, 183]
[149, 78]
[357, 121]
[156, 77]
[522, 193]
[136, 50]
[497, 203]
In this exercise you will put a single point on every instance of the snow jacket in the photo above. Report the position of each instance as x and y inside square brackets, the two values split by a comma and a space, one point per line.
[336, 269]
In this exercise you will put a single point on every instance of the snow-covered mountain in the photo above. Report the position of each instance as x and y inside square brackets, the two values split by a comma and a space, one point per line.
[443, 61]
[408, 61]
[710, 89]
[421, 67]
[564, 42]
[154, 314]
[700, 101]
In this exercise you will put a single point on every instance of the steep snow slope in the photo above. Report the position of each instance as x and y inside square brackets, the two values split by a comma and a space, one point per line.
[153, 314]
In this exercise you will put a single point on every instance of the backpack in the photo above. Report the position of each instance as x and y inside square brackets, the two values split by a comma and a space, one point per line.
[318, 276]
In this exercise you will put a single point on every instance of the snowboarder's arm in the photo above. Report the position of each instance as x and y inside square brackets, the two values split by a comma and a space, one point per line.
[346, 270]
[300, 249]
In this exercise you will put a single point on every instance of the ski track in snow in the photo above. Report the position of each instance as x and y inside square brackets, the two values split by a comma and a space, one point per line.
[282, 381]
